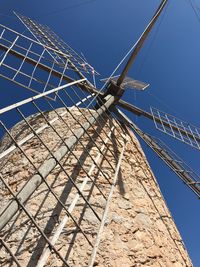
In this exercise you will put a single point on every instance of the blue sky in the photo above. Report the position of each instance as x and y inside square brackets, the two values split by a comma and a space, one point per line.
[104, 30]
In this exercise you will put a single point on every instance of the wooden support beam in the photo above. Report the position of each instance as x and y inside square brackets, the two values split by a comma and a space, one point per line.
[141, 42]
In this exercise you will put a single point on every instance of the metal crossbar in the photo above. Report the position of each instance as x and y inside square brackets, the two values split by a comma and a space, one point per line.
[176, 128]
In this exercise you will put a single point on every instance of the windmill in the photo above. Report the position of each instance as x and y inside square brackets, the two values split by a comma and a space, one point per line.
[49, 67]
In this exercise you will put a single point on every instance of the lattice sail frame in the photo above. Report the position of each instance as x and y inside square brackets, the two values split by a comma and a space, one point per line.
[176, 128]
[28, 63]
[185, 172]
[167, 155]
[39, 65]
[58, 160]
[47, 37]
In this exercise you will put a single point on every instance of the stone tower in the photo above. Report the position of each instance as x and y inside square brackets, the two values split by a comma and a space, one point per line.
[139, 229]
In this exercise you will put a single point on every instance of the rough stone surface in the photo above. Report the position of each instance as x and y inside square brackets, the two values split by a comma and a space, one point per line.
[139, 230]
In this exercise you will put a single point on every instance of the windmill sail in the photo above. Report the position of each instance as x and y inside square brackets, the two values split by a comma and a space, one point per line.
[42, 64]
[28, 63]
[176, 164]
[170, 158]
[47, 37]
[176, 128]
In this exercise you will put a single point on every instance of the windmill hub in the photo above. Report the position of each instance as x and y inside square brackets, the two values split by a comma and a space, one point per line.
[111, 89]
[114, 89]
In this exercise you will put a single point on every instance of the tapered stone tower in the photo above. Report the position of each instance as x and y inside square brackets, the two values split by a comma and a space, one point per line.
[138, 229]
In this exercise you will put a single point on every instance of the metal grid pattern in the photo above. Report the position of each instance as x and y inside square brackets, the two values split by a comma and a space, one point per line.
[176, 128]
[52, 199]
[47, 37]
[169, 157]
[30, 64]
[187, 175]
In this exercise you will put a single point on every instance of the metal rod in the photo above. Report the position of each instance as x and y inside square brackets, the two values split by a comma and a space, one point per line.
[30, 99]
[10, 252]
[98, 238]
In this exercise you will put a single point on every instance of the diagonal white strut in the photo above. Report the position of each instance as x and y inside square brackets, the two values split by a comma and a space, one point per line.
[98, 238]
[46, 253]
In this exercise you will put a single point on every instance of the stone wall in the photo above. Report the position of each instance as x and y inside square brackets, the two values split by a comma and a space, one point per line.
[139, 230]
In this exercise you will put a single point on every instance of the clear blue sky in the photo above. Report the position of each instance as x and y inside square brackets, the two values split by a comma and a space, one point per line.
[170, 61]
